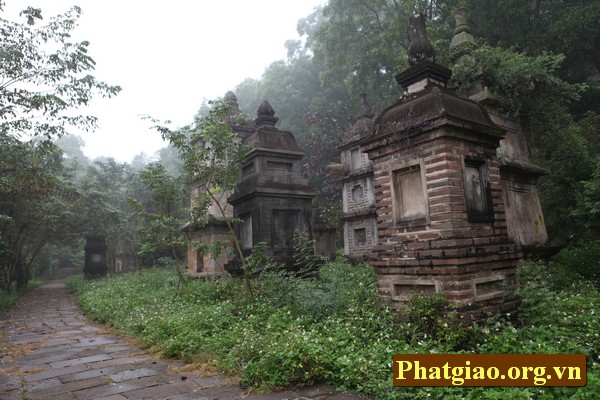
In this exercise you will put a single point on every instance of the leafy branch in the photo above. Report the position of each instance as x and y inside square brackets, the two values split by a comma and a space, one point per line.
[212, 155]
[43, 74]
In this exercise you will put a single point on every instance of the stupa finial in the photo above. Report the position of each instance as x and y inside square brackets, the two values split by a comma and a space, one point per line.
[420, 48]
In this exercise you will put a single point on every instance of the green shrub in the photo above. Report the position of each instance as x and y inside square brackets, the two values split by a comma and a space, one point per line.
[339, 286]
[8, 300]
[332, 328]
[583, 259]
[427, 318]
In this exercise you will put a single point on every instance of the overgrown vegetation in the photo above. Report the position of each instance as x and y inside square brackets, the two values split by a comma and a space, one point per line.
[333, 329]
[543, 70]
[9, 299]
[330, 327]
[44, 77]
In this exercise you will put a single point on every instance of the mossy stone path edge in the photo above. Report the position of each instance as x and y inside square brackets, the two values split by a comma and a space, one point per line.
[49, 350]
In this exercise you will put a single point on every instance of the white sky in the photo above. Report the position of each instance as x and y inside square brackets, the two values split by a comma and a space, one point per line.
[168, 56]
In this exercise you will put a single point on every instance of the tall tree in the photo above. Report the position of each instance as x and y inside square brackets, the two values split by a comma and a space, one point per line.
[37, 206]
[73, 156]
[537, 68]
[43, 74]
[104, 203]
[160, 231]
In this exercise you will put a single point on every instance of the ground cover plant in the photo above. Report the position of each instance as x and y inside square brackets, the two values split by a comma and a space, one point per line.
[9, 299]
[332, 328]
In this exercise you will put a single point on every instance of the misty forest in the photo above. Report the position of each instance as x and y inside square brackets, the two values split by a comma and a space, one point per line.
[270, 327]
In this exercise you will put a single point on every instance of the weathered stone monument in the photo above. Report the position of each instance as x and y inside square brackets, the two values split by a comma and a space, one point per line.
[214, 228]
[273, 200]
[441, 212]
[95, 257]
[359, 215]
[519, 176]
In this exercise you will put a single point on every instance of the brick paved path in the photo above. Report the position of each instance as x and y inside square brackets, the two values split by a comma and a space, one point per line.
[49, 350]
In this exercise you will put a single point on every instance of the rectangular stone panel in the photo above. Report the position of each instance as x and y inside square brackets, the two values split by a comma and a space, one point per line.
[246, 231]
[477, 191]
[355, 159]
[285, 224]
[410, 200]
[248, 169]
[404, 289]
[279, 166]
[360, 237]
[489, 287]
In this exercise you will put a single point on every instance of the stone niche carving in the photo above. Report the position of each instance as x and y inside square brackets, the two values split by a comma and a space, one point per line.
[358, 196]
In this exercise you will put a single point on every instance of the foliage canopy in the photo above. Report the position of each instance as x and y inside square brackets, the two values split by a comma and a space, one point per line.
[43, 75]
[44, 78]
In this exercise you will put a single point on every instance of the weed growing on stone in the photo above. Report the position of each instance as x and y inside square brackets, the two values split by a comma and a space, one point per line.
[332, 328]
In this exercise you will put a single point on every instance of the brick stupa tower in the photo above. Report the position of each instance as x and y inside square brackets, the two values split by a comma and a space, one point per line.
[440, 210]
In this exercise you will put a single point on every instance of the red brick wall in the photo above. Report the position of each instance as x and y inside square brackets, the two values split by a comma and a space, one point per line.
[472, 263]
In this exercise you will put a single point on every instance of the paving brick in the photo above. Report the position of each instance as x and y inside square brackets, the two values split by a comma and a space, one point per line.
[118, 347]
[119, 361]
[11, 386]
[132, 374]
[124, 351]
[70, 387]
[42, 384]
[34, 358]
[80, 360]
[52, 346]
[208, 382]
[222, 392]
[62, 396]
[54, 372]
[58, 362]
[188, 396]
[96, 341]
[165, 391]
[104, 391]
[92, 373]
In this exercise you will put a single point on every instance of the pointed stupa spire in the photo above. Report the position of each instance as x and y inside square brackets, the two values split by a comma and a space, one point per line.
[364, 110]
[265, 109]
[424, 71]
[231, 100]
[363, 123]
[265, 115]
[463, 42]
[420, 48]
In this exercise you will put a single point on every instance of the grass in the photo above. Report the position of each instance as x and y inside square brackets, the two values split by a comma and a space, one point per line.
[333, 328]
[7, 300]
